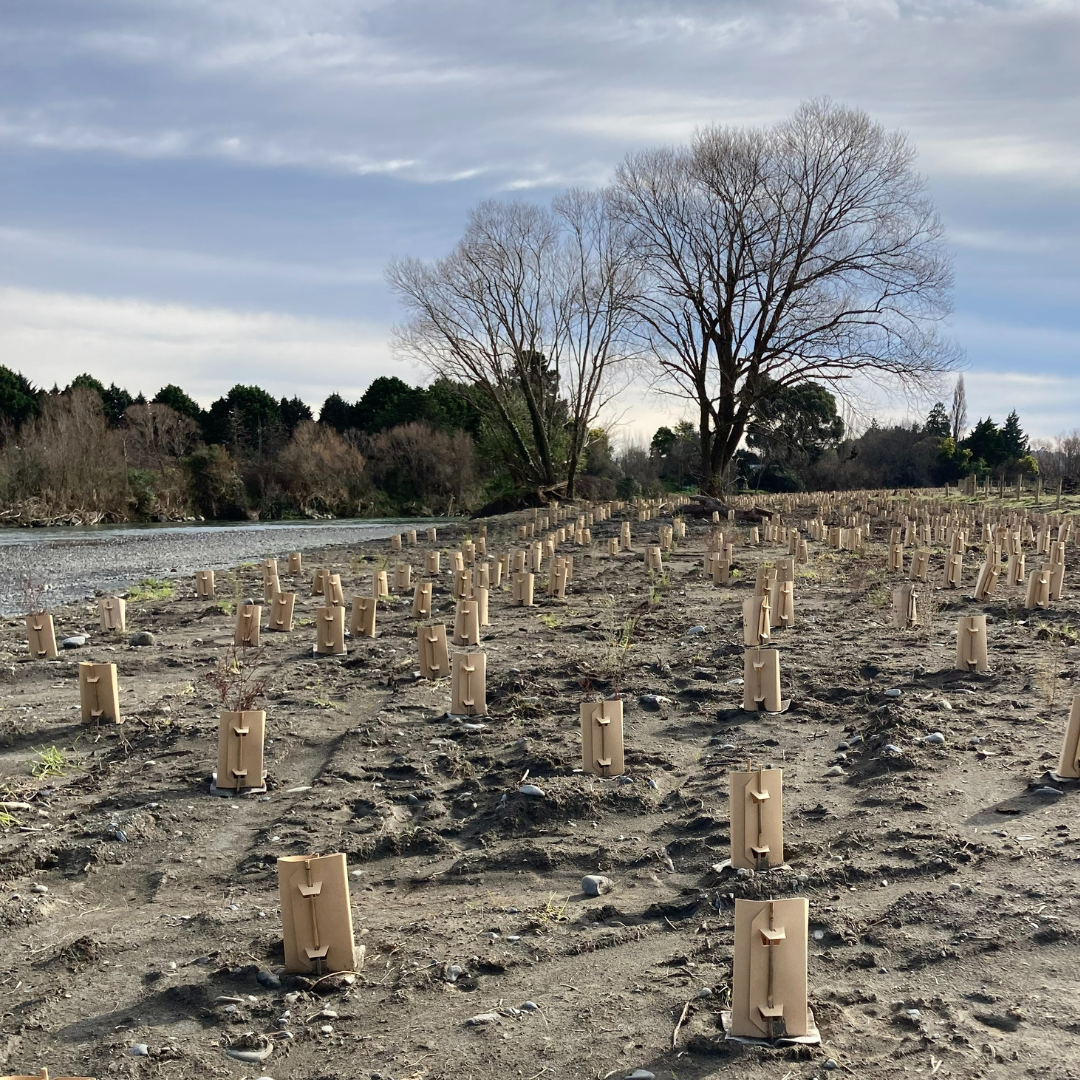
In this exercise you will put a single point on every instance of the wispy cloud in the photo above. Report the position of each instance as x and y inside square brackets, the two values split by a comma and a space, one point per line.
[171, 167]
[52, 337]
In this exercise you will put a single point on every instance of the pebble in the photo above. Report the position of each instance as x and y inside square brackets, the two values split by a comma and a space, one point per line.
[140, 1050]
[143, 637]
[641, 1074]
[891, 748]
[76, 641]
[454, 972]
[41, 889]
[482, 1018]
[530, 1006]
[829, 1064]
[935, 738]
[650, 702]
[836, 770]
[530, 789]
[689, 633]
[267, 979]
[1048, 791]
[894, 693]
[596, 885]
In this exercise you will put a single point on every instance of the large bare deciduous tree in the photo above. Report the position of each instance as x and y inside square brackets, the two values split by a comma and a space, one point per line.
[804, 251]
[531, 312]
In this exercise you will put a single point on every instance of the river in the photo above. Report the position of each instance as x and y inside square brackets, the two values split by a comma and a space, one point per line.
[76, 562]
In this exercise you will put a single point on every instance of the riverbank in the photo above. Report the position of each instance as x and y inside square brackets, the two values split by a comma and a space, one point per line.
[78, 562]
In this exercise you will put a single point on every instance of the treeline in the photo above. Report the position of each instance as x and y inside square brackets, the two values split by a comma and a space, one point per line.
[90, 452]
[798, 442]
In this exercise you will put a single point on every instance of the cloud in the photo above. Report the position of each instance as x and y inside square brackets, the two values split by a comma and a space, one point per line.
[52, 337]
[431, 88]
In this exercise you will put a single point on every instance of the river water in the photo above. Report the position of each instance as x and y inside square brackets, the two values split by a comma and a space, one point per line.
[76, 562]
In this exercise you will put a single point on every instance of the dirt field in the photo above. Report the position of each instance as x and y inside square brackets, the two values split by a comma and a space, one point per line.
[138, 909]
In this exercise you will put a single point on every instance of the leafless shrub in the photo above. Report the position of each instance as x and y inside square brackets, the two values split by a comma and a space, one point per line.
[236, 679]
[321, 471]
[417, 462]
[67, 461]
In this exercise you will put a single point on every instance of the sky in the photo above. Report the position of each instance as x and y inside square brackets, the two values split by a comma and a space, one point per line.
[206, 192]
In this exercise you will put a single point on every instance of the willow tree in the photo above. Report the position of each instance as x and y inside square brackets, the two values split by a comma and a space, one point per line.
[808, 250]
[531, 314]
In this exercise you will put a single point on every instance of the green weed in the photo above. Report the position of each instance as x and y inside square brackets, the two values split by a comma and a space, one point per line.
[152, 589]
[51, 761]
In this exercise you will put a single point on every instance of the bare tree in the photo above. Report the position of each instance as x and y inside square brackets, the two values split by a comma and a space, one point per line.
[531, 312]
[155, 435]
[808, 250]
[958, 415]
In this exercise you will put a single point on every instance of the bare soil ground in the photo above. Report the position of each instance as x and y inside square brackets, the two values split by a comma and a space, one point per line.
[942, 887]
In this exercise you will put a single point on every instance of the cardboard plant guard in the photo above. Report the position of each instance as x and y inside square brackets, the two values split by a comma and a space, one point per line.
[761, 682]
[1069, 765]
[920, 564]
[421, 603]
[240, 751]
[467, 684]
[204, 583]
[1038, 589]
[905, 612]
[296, 562]
[757, 624]
[113, 611]
[523, 589]
[768, 992]
[281, 612]
[316, 916]
[248, 619]
[757, 819]
[971, 643]
[602, 737]
[434, 658]
[330, 631]
[362, 623]
[39, 627]
[99, 696]
[467, 623]
[988, 578]
[318, 581]
[333, 593]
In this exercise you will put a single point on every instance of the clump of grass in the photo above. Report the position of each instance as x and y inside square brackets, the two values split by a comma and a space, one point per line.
[552, 912]
[1063, 632]
[51, 761]
[878, 597]
[152, 589]
[552, 622]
